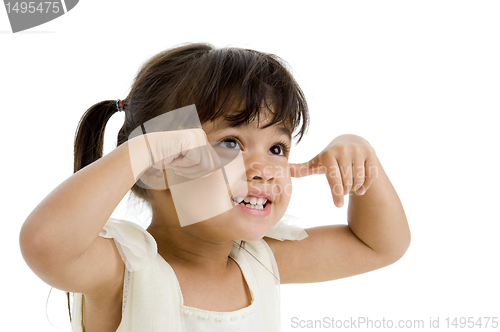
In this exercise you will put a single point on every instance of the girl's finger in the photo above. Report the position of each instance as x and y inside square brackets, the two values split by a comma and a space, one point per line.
[295, 170]
[189, 158]
[334, 178]
[346, 173]
[371, 170]
[197, 162]
[305, 169]
[358, 174]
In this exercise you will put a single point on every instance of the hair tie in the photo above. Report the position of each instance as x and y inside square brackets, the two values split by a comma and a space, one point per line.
[119, 105]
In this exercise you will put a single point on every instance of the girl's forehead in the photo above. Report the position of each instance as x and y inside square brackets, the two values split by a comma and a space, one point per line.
[220, 125]
[260, 120]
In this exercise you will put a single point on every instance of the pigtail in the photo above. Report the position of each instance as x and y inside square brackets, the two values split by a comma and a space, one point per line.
[89, 141]
[89, 137]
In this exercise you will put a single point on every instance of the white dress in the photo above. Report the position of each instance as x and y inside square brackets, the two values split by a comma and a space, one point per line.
[152, 298]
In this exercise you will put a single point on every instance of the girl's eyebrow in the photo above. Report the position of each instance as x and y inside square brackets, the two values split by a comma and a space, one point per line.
[284, 131]
[281, 130]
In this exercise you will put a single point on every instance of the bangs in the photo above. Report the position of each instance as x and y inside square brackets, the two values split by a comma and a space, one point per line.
[238, 84]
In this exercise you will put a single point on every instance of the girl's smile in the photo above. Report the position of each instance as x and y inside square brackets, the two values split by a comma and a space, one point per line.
[260, 212]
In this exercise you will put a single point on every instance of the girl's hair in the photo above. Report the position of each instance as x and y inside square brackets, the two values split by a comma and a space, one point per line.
[232, 83]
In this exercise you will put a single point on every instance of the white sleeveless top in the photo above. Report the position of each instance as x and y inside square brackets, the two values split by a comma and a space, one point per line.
[152, 297]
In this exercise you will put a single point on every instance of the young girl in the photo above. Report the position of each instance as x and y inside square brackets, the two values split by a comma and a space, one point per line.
[218, 245]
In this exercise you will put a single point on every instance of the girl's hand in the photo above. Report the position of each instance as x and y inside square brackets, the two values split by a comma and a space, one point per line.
[350, 165]
[187, 152]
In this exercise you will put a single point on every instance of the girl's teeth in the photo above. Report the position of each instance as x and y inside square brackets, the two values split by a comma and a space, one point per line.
[251, 202]
[257, 207]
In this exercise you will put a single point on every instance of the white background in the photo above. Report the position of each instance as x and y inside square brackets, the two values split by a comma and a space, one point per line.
[419, 80]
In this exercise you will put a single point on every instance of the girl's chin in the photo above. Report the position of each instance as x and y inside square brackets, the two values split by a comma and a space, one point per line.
[255, 233]
[242, 226]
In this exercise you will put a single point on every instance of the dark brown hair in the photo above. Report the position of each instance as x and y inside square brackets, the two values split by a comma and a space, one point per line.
[233, 83]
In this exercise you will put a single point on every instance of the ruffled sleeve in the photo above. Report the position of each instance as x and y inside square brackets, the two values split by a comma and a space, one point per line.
[136, 246]
[286, 229]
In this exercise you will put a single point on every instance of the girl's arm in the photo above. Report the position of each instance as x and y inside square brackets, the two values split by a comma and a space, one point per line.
[378, 219]
[60, 238]
[377, 233]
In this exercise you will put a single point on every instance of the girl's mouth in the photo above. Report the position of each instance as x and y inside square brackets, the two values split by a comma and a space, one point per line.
[252, 202]
[253, 205]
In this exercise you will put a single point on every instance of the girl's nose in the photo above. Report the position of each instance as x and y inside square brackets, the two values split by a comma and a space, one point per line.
[260, 170]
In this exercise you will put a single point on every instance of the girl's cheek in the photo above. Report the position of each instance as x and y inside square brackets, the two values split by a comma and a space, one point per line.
[282, 170]
[284, 186]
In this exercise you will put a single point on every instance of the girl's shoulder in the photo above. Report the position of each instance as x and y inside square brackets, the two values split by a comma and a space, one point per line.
[136, 246]
[287, 229]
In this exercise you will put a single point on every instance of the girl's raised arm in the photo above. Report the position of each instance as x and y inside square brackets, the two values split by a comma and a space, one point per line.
[377, 232]
[60, 238]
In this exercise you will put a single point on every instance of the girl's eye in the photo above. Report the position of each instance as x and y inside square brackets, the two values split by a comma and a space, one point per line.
[279, 149]
[229, 143]
[276, 150]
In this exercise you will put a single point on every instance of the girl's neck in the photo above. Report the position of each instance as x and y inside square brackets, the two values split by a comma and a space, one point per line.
[190, 247]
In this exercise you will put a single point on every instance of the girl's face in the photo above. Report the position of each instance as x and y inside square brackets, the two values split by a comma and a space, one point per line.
[265, 154]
